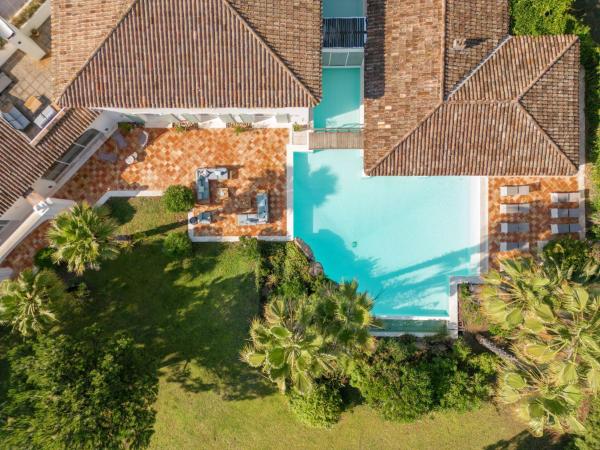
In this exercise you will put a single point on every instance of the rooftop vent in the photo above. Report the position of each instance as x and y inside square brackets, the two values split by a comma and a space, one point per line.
[459, 44]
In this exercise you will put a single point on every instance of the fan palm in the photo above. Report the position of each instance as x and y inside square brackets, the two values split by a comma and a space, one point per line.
[26, 303]
[82, 238]
[554, 327]
[286, 348]
[345, 317]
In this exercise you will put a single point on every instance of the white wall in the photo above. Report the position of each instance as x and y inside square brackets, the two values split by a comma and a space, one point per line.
[164, 117]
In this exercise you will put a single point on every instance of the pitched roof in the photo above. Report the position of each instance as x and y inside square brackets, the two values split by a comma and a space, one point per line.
[197, 54]
[507, 105]
[22, 164]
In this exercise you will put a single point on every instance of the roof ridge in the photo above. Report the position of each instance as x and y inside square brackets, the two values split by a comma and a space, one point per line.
[536, 124]
[406, 136]
[550, 66]
[97, 49]
[269, 49]
[476, 69]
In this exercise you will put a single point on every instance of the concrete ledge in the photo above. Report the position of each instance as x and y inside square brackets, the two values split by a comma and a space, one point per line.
[110, 194]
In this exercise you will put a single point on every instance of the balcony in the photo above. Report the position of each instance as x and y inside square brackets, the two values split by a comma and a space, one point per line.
[344, 32]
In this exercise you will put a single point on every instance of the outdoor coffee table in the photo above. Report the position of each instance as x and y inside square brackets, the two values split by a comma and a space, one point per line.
[222, 193]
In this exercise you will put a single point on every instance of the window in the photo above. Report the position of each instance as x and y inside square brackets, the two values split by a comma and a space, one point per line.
[62, 163]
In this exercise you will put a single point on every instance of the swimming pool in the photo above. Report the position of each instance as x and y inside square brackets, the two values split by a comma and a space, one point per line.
[340, 106]
[402, 238]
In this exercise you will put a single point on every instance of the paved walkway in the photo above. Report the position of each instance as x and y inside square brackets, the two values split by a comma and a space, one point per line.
[256, 160]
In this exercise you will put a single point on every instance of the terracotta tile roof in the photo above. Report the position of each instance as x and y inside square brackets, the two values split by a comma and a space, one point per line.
[482, 24]
[403, 74]
[201, 54]
[293, 30]
[507, 106]
[78, 28]
[476, 139]
[21, 164]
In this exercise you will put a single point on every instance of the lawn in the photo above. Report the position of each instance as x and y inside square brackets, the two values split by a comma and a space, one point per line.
[194, 314]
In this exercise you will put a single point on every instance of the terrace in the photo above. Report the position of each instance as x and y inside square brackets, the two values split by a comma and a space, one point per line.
[26, 102]
[256, 160]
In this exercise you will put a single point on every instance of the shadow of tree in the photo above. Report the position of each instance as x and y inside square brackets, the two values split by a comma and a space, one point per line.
[193, 314]
[121, 210]
[525, 441]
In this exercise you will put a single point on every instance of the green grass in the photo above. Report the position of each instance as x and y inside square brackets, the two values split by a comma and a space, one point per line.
[145, 214]
[194, 314]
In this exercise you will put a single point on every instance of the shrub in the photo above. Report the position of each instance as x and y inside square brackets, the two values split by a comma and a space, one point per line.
[178, 198]
[250, 247]
[79, 392]
[27, 12]
[126, 127]
[567, 253]
[391, 385]
[177, 244]
[404, 382]
[240, 128]
[286, 271]
[320, 407]
[43, 258]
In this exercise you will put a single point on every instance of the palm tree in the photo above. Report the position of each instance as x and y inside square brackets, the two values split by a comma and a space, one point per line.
[554, 327]
[26, 303]
[286, 348]
[345, 317]
[82, 238]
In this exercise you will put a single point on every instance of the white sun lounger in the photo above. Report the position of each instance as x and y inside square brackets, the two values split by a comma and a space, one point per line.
[514, 227]
[558, 213]
[563, 228]
[510, 191]
[515, 208]
[508, 246]
[564, 197]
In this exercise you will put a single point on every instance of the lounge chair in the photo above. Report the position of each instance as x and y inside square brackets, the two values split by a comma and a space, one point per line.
[559, 213]
[509, 246]
[514, 227]
[564, 228]
[205, 217]
[564, 197]
[202, 185]
[259, 218]
[119, 140]
[108, 157]
[16, 118]
[45, 117]
[143, 139]
[515, 208]
[262, 203]
[511, 191]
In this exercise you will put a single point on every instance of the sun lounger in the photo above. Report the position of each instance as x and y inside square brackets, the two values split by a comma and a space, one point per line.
[559, 213]
[511, 191]
[564, 197]
[515, 208]
[564, 228]
[514, 227]
[202, 185]
[509, 246]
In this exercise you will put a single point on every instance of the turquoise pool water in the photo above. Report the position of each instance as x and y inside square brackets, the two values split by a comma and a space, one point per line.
[343, 8]
[402, 238]
[340, 106]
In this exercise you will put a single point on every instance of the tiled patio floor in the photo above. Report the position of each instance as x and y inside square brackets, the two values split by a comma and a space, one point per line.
[538, 218]
[256, 160]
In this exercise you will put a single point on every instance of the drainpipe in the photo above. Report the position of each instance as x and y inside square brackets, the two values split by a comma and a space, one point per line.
[20, 40]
